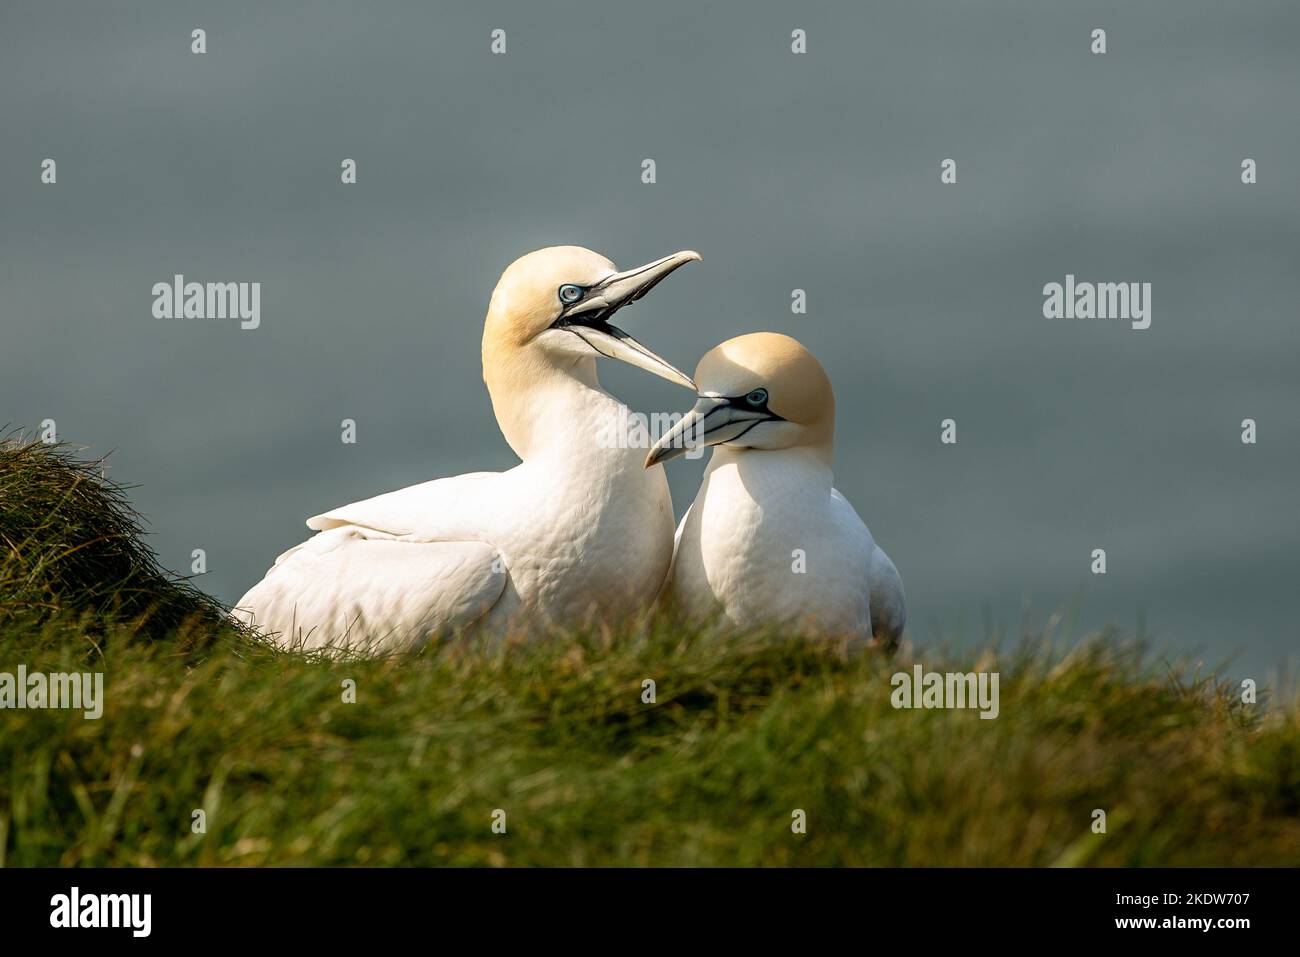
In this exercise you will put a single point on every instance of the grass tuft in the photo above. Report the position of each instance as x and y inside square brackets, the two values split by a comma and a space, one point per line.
[72, 545]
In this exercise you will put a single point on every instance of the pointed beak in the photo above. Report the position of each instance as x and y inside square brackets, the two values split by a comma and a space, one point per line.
[588, 319]
[627, 287]
[713, 420]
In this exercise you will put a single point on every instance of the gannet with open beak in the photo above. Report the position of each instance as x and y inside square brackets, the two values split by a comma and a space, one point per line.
[768, 542]
[578, 529]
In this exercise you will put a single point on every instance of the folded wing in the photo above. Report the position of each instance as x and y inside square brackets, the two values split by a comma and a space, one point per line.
[441, 510]
[385, 574]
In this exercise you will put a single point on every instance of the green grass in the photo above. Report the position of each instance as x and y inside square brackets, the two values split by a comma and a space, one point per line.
[557, 735]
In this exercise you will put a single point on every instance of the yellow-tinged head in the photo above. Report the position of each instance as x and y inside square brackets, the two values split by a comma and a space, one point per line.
[759, 391]
[554, 305]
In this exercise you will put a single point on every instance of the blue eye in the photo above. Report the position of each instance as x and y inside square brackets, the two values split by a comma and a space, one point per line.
[757, 397]
[570, 293]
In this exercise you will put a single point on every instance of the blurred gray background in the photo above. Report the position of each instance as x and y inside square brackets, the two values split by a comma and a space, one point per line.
[818, 171]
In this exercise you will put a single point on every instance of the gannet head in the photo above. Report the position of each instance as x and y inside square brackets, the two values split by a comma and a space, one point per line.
[760, 391]
[556, 304]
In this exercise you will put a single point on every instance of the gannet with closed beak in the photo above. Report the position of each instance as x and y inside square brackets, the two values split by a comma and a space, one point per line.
[578, 529]
[768, 541]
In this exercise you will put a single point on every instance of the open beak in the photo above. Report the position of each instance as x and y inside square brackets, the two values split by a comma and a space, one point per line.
[588, 319]
[714, 420]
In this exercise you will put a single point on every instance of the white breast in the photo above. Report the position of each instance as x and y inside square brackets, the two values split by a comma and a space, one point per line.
[589, 540]
[767, 544]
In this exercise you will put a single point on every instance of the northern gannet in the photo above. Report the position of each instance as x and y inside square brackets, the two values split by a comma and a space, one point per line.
[578, 529]
[768, 542]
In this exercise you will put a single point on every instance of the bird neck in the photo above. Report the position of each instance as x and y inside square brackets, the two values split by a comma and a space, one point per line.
[544, 406]
[811, 462]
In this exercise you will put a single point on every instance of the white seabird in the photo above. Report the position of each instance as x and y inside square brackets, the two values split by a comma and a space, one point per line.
[578, 529]
[768, 541]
